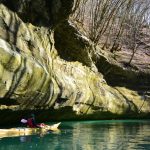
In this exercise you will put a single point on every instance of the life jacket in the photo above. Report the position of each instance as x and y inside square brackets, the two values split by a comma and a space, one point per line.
[30, 123]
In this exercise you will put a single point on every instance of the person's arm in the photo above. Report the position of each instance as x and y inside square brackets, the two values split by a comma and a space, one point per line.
[33, 122]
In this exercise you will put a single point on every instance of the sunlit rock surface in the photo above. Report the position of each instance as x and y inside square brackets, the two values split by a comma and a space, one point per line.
[35, 78]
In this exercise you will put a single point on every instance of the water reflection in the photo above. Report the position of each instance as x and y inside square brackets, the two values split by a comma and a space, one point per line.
[111, 135]
[99, 135]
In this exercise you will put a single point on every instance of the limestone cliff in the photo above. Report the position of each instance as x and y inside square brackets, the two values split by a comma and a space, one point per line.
[50, 72]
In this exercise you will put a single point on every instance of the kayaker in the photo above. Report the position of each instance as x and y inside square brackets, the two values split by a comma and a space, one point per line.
[31, 123]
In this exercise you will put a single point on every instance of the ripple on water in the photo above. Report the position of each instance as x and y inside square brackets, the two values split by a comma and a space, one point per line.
[92, 135]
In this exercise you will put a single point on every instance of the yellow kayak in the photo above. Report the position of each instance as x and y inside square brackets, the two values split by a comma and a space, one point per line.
[13, 132]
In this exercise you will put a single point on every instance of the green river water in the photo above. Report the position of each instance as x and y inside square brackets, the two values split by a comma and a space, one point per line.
[87, 135]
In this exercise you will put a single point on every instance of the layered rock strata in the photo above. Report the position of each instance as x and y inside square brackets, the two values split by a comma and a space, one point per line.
[35, 77]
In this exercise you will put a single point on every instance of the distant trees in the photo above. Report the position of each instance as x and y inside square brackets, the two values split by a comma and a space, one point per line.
[136, 20]
[113, 23]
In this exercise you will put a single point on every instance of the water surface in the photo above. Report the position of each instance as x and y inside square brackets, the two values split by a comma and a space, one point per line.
[87, 135]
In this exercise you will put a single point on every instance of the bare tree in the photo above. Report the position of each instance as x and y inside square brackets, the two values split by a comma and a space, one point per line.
[113, 23]
[135, 21]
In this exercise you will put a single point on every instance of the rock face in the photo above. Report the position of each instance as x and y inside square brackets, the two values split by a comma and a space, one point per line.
[74, 46]
[39, 12]
[37, 76]
[121, 75]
